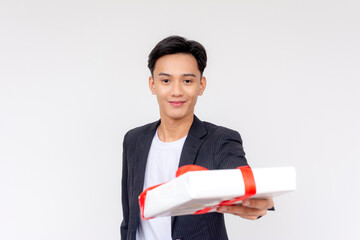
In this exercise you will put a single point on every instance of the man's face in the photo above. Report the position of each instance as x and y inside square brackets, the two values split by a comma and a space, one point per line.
[177, 83]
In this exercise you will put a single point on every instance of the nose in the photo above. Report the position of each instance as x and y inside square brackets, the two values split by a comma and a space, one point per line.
[177, 89]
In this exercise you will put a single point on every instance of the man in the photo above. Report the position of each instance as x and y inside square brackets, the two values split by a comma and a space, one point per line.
[152, 153]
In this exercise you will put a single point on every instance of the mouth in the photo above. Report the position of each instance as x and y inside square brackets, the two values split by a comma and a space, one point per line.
[177, 103]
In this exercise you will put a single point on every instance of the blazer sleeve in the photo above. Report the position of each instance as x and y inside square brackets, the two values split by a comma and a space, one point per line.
[124, 194]
[228, 150]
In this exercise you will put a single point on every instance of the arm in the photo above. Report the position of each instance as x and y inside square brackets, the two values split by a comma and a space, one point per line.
[230, 154]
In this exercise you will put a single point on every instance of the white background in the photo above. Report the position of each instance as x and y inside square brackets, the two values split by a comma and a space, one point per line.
[73, 80]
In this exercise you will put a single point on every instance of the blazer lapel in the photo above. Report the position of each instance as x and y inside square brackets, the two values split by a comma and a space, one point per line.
[191, 146]
[192, 142]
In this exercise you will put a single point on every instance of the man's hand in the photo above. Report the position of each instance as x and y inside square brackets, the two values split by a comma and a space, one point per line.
[251, 209]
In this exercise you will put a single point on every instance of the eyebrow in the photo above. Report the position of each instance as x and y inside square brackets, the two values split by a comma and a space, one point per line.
[185, 74]
[164, 74]
[189, 75]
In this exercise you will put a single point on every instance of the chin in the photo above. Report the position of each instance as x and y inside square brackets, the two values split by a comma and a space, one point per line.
[177, 116]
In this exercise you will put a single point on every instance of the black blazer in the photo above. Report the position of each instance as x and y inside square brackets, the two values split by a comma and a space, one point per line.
[207, 145]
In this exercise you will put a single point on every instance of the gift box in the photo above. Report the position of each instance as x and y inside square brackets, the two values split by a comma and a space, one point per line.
[196, 190]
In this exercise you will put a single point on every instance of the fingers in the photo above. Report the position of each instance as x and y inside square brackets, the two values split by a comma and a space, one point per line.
[244, 212]
[251, 209]
[262, 204]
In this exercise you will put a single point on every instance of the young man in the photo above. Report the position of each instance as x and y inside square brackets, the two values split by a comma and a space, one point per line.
[152, 153]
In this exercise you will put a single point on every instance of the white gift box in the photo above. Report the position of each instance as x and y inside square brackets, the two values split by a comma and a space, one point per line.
[197, 192]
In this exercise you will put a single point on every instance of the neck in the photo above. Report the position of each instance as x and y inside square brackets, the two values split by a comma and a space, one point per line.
[171, 130]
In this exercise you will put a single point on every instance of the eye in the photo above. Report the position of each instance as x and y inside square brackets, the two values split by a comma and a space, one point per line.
[187, 81]
[165, 80]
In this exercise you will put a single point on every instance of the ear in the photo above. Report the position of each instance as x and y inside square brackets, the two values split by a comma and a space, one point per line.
[152, 85]
[202, 86]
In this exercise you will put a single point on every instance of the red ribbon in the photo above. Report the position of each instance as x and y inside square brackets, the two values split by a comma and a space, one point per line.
[250, 186]
[189, 168]
[249, 182]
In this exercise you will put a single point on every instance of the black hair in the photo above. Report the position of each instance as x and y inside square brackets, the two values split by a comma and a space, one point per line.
[177, 44]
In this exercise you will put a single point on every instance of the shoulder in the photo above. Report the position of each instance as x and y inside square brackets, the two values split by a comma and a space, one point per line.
[223, 145]
[206, 130]
[220, 132]
[133, 134]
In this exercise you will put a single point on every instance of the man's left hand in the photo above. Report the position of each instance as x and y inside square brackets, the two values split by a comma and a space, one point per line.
[251, 209]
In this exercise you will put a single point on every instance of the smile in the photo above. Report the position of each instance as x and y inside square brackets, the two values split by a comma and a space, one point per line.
[177, 103]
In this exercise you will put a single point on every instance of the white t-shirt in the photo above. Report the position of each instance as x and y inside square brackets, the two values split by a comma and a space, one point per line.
[162, 163]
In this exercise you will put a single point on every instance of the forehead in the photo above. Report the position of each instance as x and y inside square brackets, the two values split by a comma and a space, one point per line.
[178, 63]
